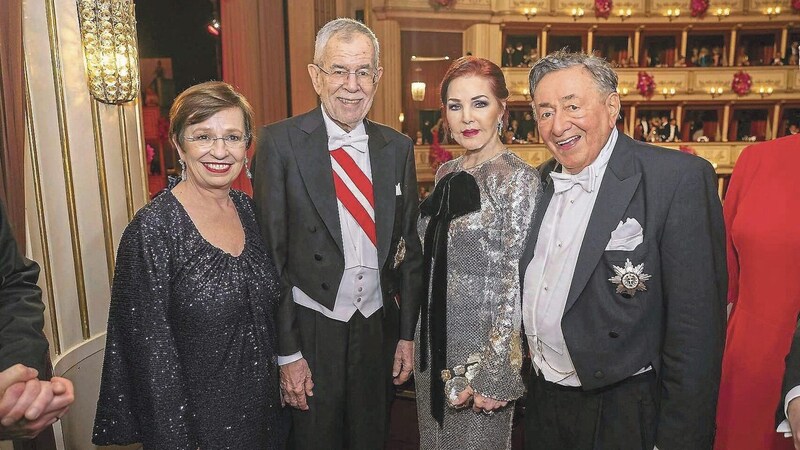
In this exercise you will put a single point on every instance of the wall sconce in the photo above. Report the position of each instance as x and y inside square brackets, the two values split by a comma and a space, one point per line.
[668, 92]
[529, 12]
[401, 117]
[624, 14]
[622, 91]
[765, 91]
[418, 91]
[715, 91]
[577, 13]
[722, 12]
[772, 11]
[673, 13]
[108, 35]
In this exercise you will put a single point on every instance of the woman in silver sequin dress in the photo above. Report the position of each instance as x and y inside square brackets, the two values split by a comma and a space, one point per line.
[473, 226]
[190, 357]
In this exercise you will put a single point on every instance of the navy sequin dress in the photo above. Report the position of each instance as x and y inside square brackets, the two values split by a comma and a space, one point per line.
[190, 355]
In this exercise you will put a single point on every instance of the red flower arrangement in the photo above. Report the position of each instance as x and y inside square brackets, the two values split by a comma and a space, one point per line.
[442, 3]
[741, 83]
[437, 155]
[796, 5]
[602, 8]
[646, 84]
[687, 149]
[698, 7]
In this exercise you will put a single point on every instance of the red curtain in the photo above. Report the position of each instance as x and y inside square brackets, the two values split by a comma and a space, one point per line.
[710, 130]
[12, 128]
[758, 128]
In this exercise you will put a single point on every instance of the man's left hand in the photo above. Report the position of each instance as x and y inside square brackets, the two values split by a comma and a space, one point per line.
[793, 414]
[403, 361]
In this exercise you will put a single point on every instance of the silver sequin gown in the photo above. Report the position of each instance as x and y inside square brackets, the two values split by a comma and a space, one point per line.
[190, 356]
[484, 312]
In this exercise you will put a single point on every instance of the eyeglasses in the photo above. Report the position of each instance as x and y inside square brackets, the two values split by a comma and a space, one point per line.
[364, 77]
[206, 142]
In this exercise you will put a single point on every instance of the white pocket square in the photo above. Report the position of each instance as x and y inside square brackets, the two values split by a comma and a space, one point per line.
[627, 236]
[397, 190]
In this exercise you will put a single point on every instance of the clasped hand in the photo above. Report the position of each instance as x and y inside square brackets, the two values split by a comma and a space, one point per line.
[29, 405]
[480, 403]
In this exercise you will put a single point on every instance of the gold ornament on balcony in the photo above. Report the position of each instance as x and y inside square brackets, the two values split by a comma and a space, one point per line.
[108, 34]
[418, 91]
[530, 12]
[765, 91]
[772, 11]
[673, 13]
[722, 12]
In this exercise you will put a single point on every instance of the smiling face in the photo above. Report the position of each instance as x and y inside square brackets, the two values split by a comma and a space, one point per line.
[347, 104]
[473, 112]
[215, 167]
[574, 117]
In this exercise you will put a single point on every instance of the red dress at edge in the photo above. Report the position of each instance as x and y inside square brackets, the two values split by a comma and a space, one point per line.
[762, 219]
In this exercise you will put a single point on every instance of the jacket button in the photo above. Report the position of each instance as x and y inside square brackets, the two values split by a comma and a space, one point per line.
[325, 286]
[317, 256]
[613, 334]
[599, 374]
[312, 228]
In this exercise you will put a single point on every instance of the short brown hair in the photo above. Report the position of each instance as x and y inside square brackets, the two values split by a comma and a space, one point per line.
[202, 101]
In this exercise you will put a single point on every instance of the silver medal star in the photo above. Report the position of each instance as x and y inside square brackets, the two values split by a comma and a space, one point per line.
[629, 279]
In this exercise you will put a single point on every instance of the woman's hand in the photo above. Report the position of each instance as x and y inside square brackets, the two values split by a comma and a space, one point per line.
[487, 405]
[463, 399]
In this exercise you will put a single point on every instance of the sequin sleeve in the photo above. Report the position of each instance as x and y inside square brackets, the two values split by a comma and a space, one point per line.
[501, 359]
[142, 396]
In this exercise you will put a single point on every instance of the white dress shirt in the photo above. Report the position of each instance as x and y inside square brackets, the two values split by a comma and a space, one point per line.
[359, 289]
[548, 276]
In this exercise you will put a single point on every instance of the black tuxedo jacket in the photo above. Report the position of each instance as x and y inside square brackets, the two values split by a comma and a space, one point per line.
[296, 208]
[21, 308]
[791, 377]
[678, 324]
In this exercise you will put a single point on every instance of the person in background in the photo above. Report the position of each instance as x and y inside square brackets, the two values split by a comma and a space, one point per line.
[762, 209]
[336, 198]
[793, 129]
[624, 277]
[788, 415]
[29, 402]
[671, 132]
[473, 228]
[190, 352]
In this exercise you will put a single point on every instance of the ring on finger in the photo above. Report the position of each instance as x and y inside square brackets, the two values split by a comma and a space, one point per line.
[487, 412]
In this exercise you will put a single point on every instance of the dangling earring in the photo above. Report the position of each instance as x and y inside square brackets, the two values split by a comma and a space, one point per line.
[183, 169]
[500, 127]
[247, 169]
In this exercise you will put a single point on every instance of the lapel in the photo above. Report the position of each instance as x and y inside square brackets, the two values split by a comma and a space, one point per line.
[536, 220]
[382, 162]
[619, 184]
[310, 144]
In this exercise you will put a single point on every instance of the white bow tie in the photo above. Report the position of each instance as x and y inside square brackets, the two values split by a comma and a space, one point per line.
[337, 142]
[564, 181]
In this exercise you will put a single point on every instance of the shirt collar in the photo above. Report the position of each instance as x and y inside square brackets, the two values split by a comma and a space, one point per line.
[334, 130]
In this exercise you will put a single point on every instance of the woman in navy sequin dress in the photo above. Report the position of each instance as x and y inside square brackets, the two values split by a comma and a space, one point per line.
[190, 357]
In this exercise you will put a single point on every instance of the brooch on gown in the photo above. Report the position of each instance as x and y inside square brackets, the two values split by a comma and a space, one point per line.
[629, 279]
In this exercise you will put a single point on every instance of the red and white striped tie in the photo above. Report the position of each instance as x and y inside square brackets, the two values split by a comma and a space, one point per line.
[354, 190]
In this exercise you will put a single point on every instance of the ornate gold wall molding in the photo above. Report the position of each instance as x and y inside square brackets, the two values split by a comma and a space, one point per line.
[721, 155]
[55, 57]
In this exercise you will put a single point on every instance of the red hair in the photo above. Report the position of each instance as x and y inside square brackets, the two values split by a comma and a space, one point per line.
[468, 66]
